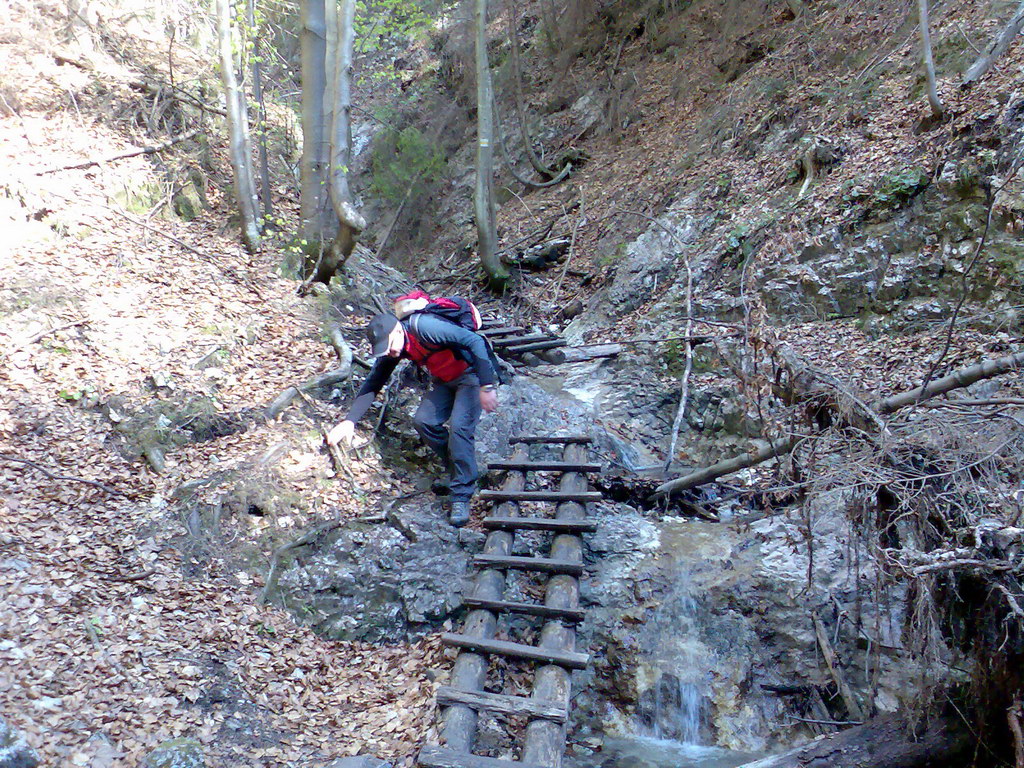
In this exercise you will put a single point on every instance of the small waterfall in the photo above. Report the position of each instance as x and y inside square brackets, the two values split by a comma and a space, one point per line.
[674, 669]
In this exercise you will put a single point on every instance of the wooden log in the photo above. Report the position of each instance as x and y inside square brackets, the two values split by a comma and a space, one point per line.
[432, 756]
[470, 669]
[539, 496]
[540, 524]
[568, 659]
[535, 346]
[545, 466]
[544, 742]
[498, 702]
[528, 609]
[500, 330]
[884, 742]
[552, 439]
[541, 564]
[511, 341]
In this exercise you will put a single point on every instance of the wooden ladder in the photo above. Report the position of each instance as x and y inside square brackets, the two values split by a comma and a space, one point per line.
[547, 708]
[514, 340]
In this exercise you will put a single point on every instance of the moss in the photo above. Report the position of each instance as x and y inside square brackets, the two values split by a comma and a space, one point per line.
[899, 187]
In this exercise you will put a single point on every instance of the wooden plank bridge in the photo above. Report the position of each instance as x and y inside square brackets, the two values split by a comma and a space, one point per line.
[546, 709]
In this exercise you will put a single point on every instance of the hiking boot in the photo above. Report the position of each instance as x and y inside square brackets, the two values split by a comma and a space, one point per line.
[459, 514]
[441, 488]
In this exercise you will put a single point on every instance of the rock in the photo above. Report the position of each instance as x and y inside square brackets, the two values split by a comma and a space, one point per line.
[14, 752]
[176, 753]
[472, 541]
[361, 761]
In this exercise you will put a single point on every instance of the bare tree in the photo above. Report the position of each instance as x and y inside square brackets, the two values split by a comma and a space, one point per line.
[929, 64]
[330, 222]
[351, 222]
[261, 111]
[240, 148]
[315, 211]
[483, 199]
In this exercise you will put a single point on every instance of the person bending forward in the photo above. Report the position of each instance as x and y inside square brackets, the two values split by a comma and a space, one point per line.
[462, 385]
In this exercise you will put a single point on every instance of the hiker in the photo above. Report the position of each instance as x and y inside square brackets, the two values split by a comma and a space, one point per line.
[463, 380]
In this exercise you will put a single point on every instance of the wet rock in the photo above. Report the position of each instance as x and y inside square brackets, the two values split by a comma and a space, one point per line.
[370, 582]
[176, 753]
[14, 752]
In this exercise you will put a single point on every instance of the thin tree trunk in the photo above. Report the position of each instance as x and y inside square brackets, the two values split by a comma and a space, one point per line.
[517, 80]
[998, 47]
[238, 130]
[483, 199]
[261, 114]
[315, 155]
[350, 221]
[929, 64]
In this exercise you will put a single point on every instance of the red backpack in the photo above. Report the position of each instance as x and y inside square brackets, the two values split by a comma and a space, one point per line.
[453, 309]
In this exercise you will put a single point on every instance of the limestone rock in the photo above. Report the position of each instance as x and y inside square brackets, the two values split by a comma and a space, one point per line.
[176, 753]
[14, 752]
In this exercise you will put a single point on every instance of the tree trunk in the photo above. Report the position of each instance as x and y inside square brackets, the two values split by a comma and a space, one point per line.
[261, 114]
[883, 742]
[929, 65]
[315, 210]
[351, 223]
[483, 199]
[240, 148]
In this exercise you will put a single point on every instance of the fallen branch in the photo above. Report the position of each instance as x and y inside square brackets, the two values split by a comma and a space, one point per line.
[70, 478]
[997, 48]
[715, 471]
[964, 377]
[138, 576]
[124, 155]
[42, 334]
[959, 379]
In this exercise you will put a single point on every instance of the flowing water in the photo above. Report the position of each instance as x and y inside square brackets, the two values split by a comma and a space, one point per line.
[671, 725]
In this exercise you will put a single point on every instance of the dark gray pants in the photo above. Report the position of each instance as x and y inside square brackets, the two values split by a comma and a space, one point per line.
[458, 403]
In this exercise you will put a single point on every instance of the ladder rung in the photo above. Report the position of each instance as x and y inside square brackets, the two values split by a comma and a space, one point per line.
[536, 346]
[567, 659]
[500, 330]
[499, 702]
[581, 496]
[542, 564]
[511, 341]
[544, 466]
[529, 609]
[540, 524]
[532, 439]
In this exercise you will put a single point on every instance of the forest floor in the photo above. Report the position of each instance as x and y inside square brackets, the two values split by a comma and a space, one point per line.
[122, 624]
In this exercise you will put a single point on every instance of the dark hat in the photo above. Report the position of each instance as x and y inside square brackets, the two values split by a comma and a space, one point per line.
[377, 332]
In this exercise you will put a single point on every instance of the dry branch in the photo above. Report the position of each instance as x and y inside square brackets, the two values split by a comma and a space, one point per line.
[151, 150]
[997, 48]
[70, 478]
[956, 380]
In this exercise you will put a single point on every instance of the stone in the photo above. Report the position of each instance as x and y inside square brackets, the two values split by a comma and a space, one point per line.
[360, 761]
[176, 753]
[14, 751]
